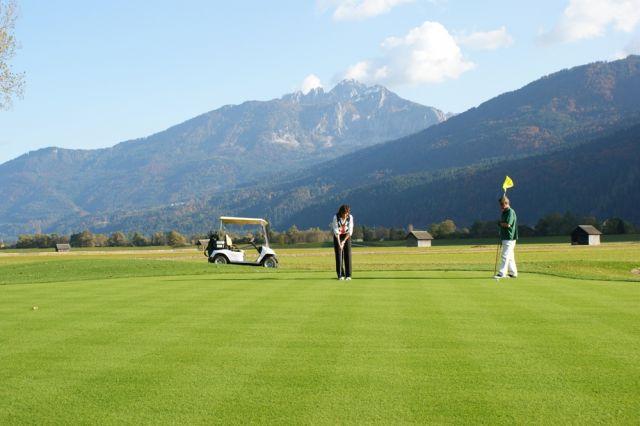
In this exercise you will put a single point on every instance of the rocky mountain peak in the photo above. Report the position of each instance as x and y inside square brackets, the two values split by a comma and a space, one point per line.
[349, 89]
[345, 91]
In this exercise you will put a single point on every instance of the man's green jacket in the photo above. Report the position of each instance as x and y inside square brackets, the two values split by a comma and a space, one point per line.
[510, 233]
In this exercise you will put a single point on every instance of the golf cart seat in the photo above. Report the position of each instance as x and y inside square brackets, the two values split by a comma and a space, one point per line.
[228, 243]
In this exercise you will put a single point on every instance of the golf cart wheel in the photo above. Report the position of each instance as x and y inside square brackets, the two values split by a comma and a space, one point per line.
[270, 262]
[220, 259]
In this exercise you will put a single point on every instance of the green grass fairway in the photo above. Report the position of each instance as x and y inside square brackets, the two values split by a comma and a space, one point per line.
[418, 336]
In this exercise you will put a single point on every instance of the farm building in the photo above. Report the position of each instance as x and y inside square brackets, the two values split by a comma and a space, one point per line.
[63, 248]
[585, 235]
[419, 239]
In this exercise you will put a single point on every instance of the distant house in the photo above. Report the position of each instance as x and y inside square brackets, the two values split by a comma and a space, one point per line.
[585, 235]
[419, 239]
[63, 248]
[202, 244]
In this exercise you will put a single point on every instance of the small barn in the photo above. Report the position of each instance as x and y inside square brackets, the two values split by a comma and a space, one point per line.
[63, 248]
[585, 235]
[418, 239]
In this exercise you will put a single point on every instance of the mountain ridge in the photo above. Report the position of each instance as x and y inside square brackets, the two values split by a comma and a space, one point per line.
[210, 152]
[543, 186]
[557, 113]
[566, 109]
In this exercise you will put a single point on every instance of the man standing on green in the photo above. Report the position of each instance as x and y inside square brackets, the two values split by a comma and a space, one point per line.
[508, 236]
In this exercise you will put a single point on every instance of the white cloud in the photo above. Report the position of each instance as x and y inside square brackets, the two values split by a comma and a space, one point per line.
[344, 10]
[486, 40]
[620, 54]
[309, 83]
[427, 54]
[585, 19]
[633, 48]
[359, 71]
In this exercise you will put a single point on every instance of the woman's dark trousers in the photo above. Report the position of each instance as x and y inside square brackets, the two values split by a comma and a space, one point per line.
[343, 257]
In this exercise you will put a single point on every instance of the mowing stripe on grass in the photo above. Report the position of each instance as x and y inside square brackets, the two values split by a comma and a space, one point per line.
[289, 346]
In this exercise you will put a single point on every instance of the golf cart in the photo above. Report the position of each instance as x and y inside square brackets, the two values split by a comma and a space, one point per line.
[221, 249]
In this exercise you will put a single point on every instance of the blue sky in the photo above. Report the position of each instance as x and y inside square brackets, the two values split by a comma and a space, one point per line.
[98, 73]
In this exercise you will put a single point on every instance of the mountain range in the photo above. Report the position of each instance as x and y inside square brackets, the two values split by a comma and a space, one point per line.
[215, 151]
[570, 140]
[560, 138]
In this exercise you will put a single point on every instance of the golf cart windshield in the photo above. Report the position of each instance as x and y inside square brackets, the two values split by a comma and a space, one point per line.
[235, 227]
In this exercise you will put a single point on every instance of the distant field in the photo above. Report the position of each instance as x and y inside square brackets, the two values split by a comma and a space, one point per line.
[479, 241]
[436, 243]
[420, 335]
[52, 250]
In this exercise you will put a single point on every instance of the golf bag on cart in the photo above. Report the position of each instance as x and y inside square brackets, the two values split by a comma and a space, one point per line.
[213, 243]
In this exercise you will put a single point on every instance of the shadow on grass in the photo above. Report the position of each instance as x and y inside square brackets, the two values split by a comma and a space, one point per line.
[355, 279]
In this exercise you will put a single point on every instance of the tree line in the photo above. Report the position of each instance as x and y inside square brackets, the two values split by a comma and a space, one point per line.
[293, 235]
[88, 239]
[552, 224]
[549, 225]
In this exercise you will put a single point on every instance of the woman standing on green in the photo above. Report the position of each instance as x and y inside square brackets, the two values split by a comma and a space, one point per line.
[342, 227]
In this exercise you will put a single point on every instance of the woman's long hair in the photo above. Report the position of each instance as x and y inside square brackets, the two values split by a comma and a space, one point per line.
[344, 209]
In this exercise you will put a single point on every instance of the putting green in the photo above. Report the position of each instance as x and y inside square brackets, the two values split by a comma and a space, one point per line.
[293, 346]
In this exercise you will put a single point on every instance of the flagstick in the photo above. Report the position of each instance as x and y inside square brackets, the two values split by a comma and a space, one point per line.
[495, 264]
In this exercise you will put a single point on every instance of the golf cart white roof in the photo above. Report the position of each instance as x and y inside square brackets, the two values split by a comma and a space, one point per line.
[243, 220]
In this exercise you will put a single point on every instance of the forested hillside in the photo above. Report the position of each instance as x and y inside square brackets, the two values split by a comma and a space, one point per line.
[569, 140]
[213, 152]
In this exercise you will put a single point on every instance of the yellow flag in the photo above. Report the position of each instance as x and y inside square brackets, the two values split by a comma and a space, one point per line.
[508, 183]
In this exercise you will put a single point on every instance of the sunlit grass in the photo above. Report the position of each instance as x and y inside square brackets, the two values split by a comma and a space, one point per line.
[419, 336]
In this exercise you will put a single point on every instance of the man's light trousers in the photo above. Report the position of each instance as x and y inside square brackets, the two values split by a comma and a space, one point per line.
[508, 259]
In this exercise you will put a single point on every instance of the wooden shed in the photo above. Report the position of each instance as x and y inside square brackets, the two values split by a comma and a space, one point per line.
[585, 235]
[418, 239]
[63, 248]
